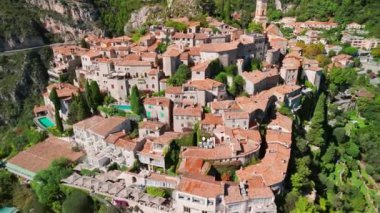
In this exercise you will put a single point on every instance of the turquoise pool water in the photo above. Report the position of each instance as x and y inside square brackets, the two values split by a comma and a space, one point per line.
[122, 107]
[46, 122]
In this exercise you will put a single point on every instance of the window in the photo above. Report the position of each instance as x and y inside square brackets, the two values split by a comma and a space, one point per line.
[152, 86]
[121, 87]
[186, 209]
[112, 86]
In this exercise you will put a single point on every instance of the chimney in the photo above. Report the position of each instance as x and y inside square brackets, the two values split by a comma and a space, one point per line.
[240, 64]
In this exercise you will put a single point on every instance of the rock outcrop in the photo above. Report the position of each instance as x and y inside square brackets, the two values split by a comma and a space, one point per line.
[79, 11]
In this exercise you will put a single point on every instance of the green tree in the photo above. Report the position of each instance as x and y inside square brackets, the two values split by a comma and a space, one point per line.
[303, 206]
[84, 110]
[343, 77]
[6, 186]
[350, 51]
[84, 44]
[221, 77]
[375, 52]
[237, 86]
[96, 95]
[254, 27]
[215, 67]
[78, 202]
[136, 102]
[180, 77]
[46, 182]
[316, 132]
[156, 191]
[53, 96]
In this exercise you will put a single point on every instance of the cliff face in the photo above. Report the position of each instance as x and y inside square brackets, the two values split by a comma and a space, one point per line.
[79, 11]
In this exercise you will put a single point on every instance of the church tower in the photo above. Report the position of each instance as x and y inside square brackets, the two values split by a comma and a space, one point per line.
[261, 12]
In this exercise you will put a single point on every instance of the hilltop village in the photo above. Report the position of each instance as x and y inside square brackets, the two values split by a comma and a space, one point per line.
[202, 110]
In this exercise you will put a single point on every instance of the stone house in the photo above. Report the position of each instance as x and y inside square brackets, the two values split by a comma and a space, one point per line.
[186, 116]
[159, 109]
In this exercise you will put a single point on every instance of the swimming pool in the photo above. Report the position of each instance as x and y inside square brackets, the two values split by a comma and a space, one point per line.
[122, 107]
[46, 122]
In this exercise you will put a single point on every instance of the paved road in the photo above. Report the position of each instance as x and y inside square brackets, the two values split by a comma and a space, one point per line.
[11, 52]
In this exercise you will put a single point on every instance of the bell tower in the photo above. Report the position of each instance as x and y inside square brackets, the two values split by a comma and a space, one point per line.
[261, 12]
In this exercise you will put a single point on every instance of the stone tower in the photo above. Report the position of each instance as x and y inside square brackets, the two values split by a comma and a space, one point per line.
[261, 12]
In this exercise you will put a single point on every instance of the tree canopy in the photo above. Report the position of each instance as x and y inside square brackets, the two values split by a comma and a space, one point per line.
[180, 77]
[136, 102]
[46, 182]
[78, 202]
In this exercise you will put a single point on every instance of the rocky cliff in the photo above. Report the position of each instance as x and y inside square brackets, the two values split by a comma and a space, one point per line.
[79, 11]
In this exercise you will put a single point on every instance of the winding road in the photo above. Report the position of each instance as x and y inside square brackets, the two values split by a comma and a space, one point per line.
[11, 52]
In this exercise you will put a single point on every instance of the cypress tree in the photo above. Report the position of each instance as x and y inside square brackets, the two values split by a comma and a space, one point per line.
[135, 100]
[316, 131]
[84, 110]
[57, 106]
[96, 95]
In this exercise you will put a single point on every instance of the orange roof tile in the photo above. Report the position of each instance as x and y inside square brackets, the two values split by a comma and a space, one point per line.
[41, 155]
[203, 187]
[206, 84]
[218, 47]
[173, 90]
[188, 111]
[211, 119]
[158, 101]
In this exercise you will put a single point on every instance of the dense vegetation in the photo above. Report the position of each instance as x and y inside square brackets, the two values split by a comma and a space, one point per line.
[342, 11]
[23, 78]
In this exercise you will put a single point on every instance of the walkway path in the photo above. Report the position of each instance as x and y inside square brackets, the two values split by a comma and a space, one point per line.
[11, 52]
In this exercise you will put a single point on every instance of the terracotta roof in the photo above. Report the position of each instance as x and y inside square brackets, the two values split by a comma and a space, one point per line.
[201, 36]
[191, 166]
[102, 127]
[206, 84]
[68, 50]
[183, 36]
[188, 111]
[201, 67]
[120, 139]
[40, 156]
[64, 90]
[256, 102]
[272, 168]
[150, 55]
[282, 138]
[291, 63]
[157, 101]
[282, 121]
[166, 138]
[151, 125]
[92, 54]
[132, 63]
[171, 52]
[89, 122]
[341, 57]
[132, 57]
[139, 48]
[184, 56]
[153, 72]
[235, 115]
[38, 109]
[173, 90]
[255, 189]
[258, 76]
[224, 105]
[218, 47]
[211, 119]
[195, 51]
[222, 151]
[200, 186]
[284, 89]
